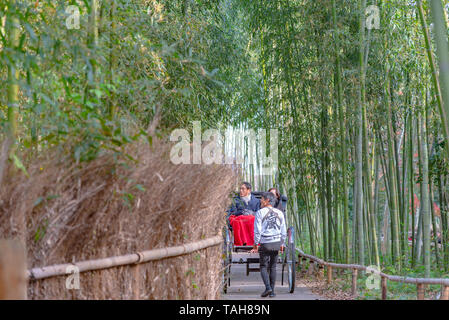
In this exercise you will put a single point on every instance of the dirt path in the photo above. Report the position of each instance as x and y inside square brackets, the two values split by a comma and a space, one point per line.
[250, 287]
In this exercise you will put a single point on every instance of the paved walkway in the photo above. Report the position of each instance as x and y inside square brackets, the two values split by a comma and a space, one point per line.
[250, 287]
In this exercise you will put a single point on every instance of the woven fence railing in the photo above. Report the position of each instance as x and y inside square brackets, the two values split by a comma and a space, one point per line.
[128, 259]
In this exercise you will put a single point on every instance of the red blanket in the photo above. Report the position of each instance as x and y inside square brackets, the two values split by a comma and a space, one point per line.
[243, 227]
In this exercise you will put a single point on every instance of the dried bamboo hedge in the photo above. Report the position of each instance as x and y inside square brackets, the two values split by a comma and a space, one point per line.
[108, 207]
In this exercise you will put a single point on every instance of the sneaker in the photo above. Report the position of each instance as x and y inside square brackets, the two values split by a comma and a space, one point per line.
[266, 293]
[272, 294]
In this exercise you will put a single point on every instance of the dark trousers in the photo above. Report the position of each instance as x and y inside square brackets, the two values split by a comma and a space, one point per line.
[268, 253]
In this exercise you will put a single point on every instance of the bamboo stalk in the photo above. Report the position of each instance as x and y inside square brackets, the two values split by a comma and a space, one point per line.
[425, 195]
[434, 225]
[392, 179]
[13, 29]
[359, 138]
[443, 61]
[405, 203]
[92, 43]
[412, 194]
[112, 56]
[444, 224]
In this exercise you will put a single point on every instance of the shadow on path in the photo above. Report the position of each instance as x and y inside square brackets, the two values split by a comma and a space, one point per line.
[250, 287]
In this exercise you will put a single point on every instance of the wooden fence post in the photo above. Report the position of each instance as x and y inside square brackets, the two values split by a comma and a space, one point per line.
[421, 291]
[329, 274]
[13, 282]
[354, 281]
[310, 271]
[304, 266]
[137, 282]
[384, 288]
[320, 273]
[444, 293]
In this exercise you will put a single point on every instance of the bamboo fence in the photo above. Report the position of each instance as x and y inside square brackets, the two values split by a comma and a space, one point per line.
[129, 259]
[421, 283]
[12, 286]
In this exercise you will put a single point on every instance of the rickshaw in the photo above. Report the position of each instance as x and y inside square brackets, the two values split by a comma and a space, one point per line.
[233, 254]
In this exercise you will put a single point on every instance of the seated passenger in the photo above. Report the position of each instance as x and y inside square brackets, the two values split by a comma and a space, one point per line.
[281, 201]
[245, 203]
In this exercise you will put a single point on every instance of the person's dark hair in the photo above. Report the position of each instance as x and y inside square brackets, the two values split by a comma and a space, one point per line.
[247, 185]
[269, 196]
[278, 195]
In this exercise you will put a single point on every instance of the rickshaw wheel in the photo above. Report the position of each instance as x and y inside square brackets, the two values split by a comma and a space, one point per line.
[226, 260]
[291, 260]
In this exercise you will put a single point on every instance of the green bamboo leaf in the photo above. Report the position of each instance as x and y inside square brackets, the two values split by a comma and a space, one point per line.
[19, 165]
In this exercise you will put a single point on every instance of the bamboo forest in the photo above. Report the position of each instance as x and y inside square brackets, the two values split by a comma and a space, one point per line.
[93, 94]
